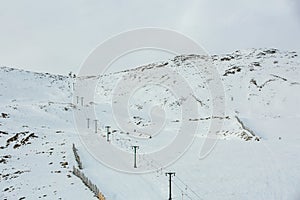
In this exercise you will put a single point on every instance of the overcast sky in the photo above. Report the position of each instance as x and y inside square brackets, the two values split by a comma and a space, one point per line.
[56, 36]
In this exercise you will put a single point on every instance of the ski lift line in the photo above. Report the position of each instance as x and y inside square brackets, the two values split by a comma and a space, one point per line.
[181, 190]
[157, 166]
[185, 185]
[151, 162]
[178, 186]
[188, 196]
[148, 162]
[188, 187]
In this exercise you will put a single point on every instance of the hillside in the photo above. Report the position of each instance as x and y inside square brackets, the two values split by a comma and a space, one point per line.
[257, 150]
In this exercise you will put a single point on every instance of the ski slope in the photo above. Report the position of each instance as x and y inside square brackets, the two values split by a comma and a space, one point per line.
[256, 155]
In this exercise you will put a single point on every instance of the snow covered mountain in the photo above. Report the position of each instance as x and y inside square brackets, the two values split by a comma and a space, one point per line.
[256, 157]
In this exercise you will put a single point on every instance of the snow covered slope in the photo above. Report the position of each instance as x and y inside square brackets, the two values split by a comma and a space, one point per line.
[256, 156]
